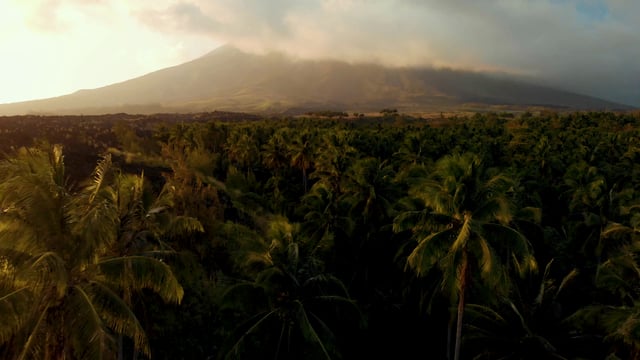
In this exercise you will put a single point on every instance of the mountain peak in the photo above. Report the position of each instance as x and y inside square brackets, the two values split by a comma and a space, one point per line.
[226, 49]
[229, 79]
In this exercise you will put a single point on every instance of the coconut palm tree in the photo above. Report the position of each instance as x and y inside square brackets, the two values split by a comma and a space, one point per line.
[287, 299]
[62, 282]
[242, 150]
[519, 327]
[371, 191]
[334, 160]
[275, 157]
[275, 152]
[302, 154]
[146, 221]
[616, 320]
[464, 228]
[324, 214]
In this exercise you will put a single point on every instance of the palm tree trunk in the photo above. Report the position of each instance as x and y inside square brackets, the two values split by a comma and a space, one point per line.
[463, 287]
[304, 179]
[120, 347]
[449, 333]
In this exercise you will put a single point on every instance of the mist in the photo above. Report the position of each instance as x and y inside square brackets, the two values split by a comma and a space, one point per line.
[589, 47]
[55, 47]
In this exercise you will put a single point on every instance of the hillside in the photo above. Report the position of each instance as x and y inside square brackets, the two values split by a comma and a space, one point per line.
[231, 80]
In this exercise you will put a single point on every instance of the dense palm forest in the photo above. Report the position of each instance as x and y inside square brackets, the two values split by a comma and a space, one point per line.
[492, 236]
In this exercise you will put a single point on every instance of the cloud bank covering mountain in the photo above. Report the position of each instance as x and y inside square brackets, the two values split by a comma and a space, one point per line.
[586, 46]
[230, 79]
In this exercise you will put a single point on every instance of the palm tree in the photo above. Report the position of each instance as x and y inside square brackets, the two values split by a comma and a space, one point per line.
[370, 189]
[369, 193]
[519, 327]
[324, 214]
[242, 150]
[62, 282]
[146, 221]
[275, 157]
[275, 152]
[334, 160]
[473, 209]
[302, 154]
[288, 297]
[618, 319]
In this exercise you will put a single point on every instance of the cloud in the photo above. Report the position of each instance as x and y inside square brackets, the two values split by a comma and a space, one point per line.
[52, 48]
[51, 16]
[184, 17]
[589, 46]
[582, 45]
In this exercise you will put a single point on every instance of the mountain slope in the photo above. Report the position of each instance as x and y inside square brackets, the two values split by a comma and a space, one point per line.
[228, 79]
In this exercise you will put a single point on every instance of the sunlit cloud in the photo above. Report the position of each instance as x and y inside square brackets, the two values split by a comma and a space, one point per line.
[588, 46]
[580, 45]
[83, 44]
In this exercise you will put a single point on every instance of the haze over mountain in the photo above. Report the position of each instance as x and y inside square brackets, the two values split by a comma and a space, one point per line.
[229, 79]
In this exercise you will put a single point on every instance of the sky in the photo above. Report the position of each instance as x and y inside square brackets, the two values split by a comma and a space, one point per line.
[55, 47]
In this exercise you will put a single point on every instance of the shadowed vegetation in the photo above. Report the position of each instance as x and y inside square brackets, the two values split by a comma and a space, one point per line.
[225, 236]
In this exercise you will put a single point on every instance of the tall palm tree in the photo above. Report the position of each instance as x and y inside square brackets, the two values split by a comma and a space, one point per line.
[369, 193]
[302, 152]
[147, 219]
[617, 320]
[464, 227]
[324, 214]
[519, 327]
[146, 222]
[242, 150]
[275, 157]
[371, 190]
[288, 299]
[62, 282]
[275, 152]
[334, 160]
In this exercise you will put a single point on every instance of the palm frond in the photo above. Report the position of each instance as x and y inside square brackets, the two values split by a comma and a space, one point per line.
[15, 305]
[17, 237]
[408, 220]
[308, 331]
[245, 329]
[520, 248]
[495, 208]
[94, 339]
[486, 313]
[57, 165]
[327, 333]
[486, 258]
[140, 272]
[49, 270]
[99, 178]
[613, 230]
[463, 235]
[544, 283]
[33, 346]
[429, 252]
[184, 225]
[96, 224]
[618, 272]
[116, 314]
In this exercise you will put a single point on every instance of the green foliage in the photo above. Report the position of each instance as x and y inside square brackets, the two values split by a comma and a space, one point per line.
[216, 234]
[63, 282]
[287, 293]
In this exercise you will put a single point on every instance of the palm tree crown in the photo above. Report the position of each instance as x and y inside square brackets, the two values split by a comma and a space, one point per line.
[464, 227]
[62, 285]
